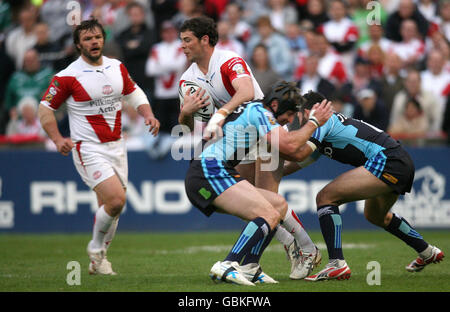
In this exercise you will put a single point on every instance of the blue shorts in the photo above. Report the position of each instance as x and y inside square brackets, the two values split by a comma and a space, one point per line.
[206, 179]
[394, 167]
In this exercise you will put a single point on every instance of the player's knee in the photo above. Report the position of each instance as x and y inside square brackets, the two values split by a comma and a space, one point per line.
[373, 218]
[116, 204]
[281, 205]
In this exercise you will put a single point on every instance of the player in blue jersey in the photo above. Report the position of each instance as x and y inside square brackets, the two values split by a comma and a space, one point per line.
[213, 185]
[384, 170]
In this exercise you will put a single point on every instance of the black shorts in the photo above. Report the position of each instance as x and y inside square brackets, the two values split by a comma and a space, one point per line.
[206, 179]
[394, 167]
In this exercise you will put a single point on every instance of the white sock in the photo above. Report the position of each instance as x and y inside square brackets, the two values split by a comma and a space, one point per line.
[293, 225]
[101, 226]
[283, 236]
[110, 234]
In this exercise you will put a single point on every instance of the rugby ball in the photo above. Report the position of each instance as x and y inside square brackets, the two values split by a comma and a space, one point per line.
[205, 113]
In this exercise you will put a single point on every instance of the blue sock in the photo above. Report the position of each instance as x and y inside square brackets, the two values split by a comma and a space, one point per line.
[252, 234]
[257, 251]
[331, 227]
[403, 230]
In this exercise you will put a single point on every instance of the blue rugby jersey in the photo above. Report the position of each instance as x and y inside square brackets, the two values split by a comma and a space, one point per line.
[350, 141]
[242, 129]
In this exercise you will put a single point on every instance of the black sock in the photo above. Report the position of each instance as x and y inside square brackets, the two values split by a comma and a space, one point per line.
[252, 234]
[403, 230]
[257, 251]
[331, 226]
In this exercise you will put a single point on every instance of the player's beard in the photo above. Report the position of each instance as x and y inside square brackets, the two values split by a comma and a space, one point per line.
[89, 56]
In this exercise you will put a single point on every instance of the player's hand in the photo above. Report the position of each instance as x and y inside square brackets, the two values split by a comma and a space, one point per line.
[320, 113]
[154, 125]
[64, 146]
[213, 129]
[193, 102]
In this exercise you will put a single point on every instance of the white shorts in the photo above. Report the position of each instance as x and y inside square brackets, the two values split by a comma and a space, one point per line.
[96, 162]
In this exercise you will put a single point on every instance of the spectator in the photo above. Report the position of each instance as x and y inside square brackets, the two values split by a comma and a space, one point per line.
[371, 110]
[51, 54]
[316, 13]
[446, 123]
[7, 69]
[22, 38]
[363, 15]
[406, 10]
[412, 122]
[411, 49]
[391, 82]
[187, 9]
[428, 8]
[214, 8]
[32, 81]
[226, 41]
[122, 20]
[426, 99]
[135, 44]
[340, 31]
[331, 65]
[25, 119]
[294, 34]
[376, 37]
[436, 79]
[263, 72]
[280, 56]
[311, 80]
[165, 10]
[375, 56]
[166, 64]
[437, 41]
[443, 20]
[361, 79]
[240, 29]
[252, 10]
[54, 13]
[281, 13]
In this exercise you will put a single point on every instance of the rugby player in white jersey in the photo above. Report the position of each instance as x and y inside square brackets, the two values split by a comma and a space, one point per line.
[93, 88]
[230, 82]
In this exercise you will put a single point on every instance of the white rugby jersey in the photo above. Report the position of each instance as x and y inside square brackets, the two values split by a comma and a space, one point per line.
[343, 31]
[224, 67]
[93, 95]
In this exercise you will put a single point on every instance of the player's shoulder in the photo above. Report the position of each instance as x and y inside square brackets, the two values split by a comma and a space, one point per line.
[111, 61]
[191, 73]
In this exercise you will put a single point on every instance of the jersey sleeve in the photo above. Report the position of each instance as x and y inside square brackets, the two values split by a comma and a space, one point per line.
[262, 119]
[232, 69]
[128, 84]
[59, 90]
[320, 133]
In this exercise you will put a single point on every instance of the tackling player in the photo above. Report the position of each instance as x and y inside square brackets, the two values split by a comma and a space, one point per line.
[384, 170]
[230, 82]
[212, 183]
[93, 88]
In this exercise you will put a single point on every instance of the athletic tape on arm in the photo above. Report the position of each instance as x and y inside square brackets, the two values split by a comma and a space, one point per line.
[136, 98]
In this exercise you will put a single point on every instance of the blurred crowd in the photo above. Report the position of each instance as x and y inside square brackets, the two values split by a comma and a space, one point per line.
[384, 62]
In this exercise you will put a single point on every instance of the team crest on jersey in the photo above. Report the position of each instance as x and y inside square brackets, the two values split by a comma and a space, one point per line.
[107, 89]
[49, 97]
[238, 68]
[270, 117]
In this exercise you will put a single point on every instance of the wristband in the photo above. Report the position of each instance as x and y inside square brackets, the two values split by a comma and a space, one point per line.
[314, 121]
[223, 111]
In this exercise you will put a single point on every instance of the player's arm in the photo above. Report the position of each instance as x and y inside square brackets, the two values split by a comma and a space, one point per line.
[140, 102]
[55, 95]
[191, 104]
[293, 166]
[293, 145]
[50, 126]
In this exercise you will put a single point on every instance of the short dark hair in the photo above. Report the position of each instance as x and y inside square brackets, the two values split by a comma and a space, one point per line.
[89, 24]
[311, 98]
[202, 26]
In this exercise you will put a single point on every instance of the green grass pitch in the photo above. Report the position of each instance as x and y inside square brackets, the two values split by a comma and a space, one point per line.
[180, 262]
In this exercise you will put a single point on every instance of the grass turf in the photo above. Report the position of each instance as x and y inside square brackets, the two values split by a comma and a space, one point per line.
[180, 262]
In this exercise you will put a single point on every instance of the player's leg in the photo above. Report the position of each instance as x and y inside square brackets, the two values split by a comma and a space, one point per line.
[376, 211]
[244, 201]
[342, 190]
[112, 194]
